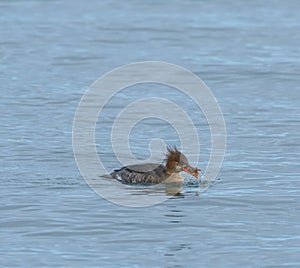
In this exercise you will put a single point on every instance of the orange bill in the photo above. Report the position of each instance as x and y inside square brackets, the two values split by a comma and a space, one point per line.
[194, 171]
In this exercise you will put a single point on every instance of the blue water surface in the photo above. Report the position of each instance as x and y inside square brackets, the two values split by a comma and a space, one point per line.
[248, 55]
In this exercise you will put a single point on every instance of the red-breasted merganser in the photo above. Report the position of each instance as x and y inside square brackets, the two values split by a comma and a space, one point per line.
[157, 173]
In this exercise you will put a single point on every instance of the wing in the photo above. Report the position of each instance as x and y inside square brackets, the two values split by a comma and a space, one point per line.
[144, 173]
[146, 168]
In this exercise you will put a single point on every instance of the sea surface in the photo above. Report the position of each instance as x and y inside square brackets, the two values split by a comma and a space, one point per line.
[247, 53]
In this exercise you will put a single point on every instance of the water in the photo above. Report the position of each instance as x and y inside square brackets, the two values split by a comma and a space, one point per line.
[248, 54]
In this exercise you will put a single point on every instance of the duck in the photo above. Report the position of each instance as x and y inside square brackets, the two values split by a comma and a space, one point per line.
[154, 173]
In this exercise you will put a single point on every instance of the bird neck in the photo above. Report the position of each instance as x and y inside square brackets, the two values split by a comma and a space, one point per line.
[170, 166]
